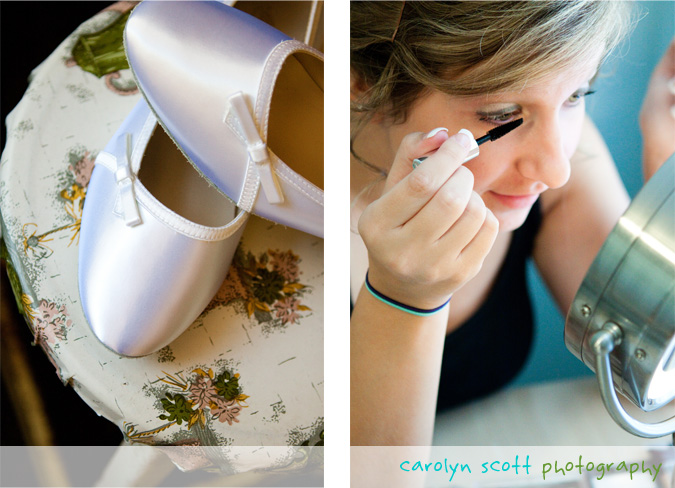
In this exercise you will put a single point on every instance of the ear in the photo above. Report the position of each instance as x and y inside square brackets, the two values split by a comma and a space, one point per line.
[357, 90]
[357, 86]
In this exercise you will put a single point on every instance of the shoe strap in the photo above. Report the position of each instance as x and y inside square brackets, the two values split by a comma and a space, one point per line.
[240, 119]
[125, 206]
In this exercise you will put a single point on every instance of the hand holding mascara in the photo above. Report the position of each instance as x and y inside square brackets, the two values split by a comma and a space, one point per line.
[492, 135]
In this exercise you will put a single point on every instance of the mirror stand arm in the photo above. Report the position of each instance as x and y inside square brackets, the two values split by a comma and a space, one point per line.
[603, 342]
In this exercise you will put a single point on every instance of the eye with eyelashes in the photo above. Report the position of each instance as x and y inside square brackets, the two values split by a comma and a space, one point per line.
[499, 117]
[504, 116]
[578, 96]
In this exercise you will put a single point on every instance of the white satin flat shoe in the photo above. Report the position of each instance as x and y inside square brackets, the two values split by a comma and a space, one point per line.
[156, 240]
[241, 99]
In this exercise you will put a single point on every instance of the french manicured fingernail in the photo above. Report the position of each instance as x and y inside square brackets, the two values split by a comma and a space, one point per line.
[671, 85]
[434, 132]
[464, 137]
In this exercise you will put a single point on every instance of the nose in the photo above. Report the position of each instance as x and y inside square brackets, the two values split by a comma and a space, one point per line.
[544, 158]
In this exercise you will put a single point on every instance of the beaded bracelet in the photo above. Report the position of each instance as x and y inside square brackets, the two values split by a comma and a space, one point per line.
[402, 306]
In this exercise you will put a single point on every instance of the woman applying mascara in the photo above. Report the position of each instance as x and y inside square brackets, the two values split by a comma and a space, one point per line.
[460, 232]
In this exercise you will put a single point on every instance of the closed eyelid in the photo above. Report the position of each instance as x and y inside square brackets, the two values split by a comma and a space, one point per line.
[498, 111]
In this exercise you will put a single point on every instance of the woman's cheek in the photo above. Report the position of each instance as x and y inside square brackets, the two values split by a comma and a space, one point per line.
[572, 129]
[490, 165]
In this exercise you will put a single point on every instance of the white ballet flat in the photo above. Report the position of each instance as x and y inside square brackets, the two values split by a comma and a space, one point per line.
[241, 99]
[156, 240]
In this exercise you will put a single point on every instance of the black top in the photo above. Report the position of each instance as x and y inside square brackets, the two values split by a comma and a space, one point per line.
[490, 348]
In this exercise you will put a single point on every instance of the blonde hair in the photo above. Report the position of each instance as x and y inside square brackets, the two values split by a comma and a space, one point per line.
[401, 49]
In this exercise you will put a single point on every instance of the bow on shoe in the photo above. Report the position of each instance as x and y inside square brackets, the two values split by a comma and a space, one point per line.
[126, 206]
[257, 153]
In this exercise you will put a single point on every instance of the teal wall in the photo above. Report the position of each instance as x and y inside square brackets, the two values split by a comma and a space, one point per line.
[614, 107]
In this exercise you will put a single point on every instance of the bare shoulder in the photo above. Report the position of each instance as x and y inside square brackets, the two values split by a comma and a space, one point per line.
[577, 217]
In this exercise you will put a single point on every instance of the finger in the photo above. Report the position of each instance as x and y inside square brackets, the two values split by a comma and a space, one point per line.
[410, 194]
[467, 226]
[475, 251]
[445, 207]
[413, 146]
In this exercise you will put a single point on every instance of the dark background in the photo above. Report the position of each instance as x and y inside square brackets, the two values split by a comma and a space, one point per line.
[29, 32]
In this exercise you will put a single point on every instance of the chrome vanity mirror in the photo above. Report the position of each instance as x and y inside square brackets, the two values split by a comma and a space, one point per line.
[622, 320]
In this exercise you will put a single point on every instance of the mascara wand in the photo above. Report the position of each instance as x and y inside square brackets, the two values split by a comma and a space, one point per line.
[492, 135]
[498, 132]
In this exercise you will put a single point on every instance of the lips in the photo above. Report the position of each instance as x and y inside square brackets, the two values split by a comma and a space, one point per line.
[515, 201]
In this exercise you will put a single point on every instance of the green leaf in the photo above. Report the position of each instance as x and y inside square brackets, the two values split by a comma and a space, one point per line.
[227, 386]
[177, 407]
[101, 53]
